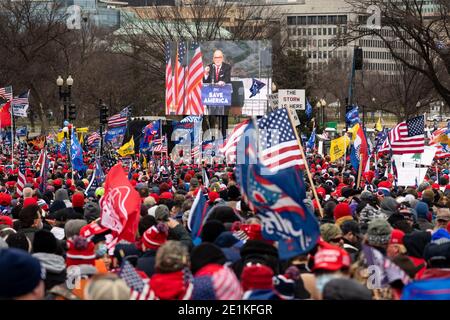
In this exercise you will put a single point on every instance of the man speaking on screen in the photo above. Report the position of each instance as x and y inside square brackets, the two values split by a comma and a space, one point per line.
[217, 72]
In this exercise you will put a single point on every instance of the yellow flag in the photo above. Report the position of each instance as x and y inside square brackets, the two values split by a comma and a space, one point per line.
[127, 149]
[378, 126]
[60, 137]
[144, 163]
[81, 138]
[337, 148]
[354, 131]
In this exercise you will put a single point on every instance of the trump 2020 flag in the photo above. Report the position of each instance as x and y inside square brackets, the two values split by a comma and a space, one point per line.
[308, 110]
[352, 117]
[97, 178]
[256, 87]
[312, 140]
[197, 215]
[120, 207]
[285, 217]
[76, 152]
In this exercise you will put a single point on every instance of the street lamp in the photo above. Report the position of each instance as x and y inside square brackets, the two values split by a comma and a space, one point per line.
[65, 94]
[321, 104]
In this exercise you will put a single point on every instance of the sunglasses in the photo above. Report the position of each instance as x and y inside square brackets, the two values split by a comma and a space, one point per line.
[338, 239]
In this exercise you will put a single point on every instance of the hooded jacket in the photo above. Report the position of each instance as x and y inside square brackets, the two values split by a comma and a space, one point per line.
[55, 267]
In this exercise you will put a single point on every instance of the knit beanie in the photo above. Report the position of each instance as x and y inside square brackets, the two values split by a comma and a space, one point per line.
[80, 251]
[342, 213]
[330, 231]
[204, 254]
[44, 241]
[211, 230]
[155, 236]
[257, 276]
[423, 211]
[78, 200]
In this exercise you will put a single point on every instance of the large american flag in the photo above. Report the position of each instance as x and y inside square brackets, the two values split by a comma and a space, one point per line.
[195, 82]
[229, 147]
[21, 99]
[93, 138]
[140, 289]
[160, 145]
[169, 80]
[6, 93]
[21, 180]
[406, 137]
[280, 148]
[120, 119]
[180, 78]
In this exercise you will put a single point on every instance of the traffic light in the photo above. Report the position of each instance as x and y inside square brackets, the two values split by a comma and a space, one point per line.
[103, 114]
[358, 56]
[72, 112]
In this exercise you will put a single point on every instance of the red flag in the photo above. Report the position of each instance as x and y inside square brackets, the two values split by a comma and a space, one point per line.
[120, 206]
[5, 115]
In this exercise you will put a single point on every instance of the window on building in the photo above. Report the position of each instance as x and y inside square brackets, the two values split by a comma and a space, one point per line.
[309, 54]
[314, 31]
[330, 31]
[334, 31]
[314, 55]
[330, 54]
[301, 20]
[322, 20]
[320, 54]
[342, 19]
[304, 31]
[314, 43]
[324, 31]
[312, 20]
[332, 19]
[319, 42]
[291, 21]
[324, 54]
[309, 31]
[319, 31]
[304, 42]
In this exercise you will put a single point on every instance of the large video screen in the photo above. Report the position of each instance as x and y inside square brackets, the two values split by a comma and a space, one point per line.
[218, 77]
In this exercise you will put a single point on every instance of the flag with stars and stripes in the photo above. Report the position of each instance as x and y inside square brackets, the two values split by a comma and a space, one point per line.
[21, 180]
[230, 144]
[406, 137]
[170, 87]
[180, 79]
[280, 148]
[20, 104]
[120, 119]
[194, 105]
[93, 139]
[140, 289]
[44, 171]
[6, 94]
[98, 177]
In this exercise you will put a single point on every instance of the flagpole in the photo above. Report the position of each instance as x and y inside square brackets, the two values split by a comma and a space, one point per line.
[359, 170]
[345, 153]
[13, 135]
[306, 166]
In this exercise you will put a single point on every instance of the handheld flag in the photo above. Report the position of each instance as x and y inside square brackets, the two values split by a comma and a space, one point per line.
[127, 149]
[76, 152]
[120, 207]
[140, 290]
[428, 289]
[378, 126]
[360, 150]
[256, 87]
[97, 178]
[312, 140]
[352, 117]
[285, 217]
[197, 215]
[5, 115]
[338, 147]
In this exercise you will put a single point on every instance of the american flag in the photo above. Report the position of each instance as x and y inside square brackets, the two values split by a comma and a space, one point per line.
[120, 119]
[195, 82]
[21, 99]
[140, 289]
[160, 145]
[230, 145]
[280, 149]
[169, 80]
[195, 152]
[442, 150]
[44, 171]
[21, 180]
[180, 78]
[6, 93]
[93, 138]
[406, 137]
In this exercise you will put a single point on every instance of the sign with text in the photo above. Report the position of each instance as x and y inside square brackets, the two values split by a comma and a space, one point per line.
[294, 116]
[216, 96]
[292, 98]
[273, 100]
[20, 110]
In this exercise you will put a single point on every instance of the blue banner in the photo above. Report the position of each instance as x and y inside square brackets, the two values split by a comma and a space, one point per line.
[217, 96]
[115, 136]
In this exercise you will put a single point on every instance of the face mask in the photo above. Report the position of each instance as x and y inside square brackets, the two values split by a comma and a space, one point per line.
[322, 280]
[101, 251]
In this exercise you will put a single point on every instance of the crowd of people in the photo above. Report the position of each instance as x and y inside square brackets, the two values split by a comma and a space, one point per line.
[53, 245]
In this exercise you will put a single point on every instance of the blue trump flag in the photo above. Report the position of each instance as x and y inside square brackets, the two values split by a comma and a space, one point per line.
[63, 147]
[278, 199]
[312, 140]
[308, 110]
[115, 136]
[352, 117]
[197, 216]
[256, 87]
[76, 152]
[429, 289]
[98, 176]
[149, 132]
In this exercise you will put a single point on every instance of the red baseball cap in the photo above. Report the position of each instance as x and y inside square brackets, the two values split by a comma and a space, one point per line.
[6, 220]
[396, 237]
[331, 259]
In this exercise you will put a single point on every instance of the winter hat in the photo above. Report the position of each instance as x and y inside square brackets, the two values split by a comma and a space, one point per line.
[166, 195]
[423, 211]
[216, 282]
[73, 227]
[397, 237]
[258, 251]
[379, 232]
[205, 254]
[172, 256]
[6, 220]
[331, 259]
[149, 202]
[194, 183]
[345, 289]
[78, 200]
[389, 206]
[107, 287]
[162, 213]
[330, 231]
[126, 251]
[385, 187]
[44, 241]
[91, 211]
[155, 236]
[29, 202]
[257, 276]
[56, 206]
[342, 213]
[212, 196]
[211, 230]
[223, 213]
[428, 196]
[152, 211]
[20, 273]
[80, 251]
